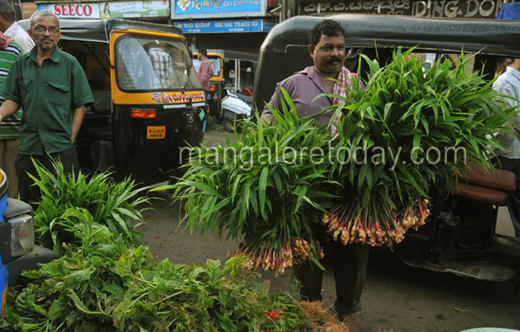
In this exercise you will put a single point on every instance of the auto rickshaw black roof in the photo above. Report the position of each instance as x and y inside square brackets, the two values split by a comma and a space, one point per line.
[284, 51]
[100, 30]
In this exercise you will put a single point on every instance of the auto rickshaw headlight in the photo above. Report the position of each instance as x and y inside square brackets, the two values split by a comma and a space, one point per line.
[213, 88]
[17, 237]
[22, 235]
[190, 117]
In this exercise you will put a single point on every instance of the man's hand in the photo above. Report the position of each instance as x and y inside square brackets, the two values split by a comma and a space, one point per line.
[267, 118]
[77, 119]
[8, 107]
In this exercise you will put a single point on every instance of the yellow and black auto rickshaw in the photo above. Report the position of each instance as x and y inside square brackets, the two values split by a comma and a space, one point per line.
[149, 103]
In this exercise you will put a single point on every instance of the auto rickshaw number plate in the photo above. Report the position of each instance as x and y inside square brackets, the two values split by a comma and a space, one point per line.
[156, 132]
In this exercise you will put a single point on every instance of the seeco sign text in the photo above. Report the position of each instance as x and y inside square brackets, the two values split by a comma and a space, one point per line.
[73, 10]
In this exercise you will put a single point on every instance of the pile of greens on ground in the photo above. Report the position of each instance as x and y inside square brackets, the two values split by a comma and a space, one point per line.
[106, 285]
[118, 205]
[105, 281]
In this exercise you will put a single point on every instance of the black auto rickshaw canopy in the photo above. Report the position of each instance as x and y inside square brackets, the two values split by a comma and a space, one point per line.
[284, 50]
[100, 30]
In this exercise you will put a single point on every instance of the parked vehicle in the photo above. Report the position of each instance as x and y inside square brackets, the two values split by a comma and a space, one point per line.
[149, 102]
[237, 103]
[17, 249]
[460, 236]
[235, 108]
[234, 73]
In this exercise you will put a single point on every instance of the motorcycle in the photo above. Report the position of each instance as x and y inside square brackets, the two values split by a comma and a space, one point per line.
[238, 98]
[235, 107]
[460, 234]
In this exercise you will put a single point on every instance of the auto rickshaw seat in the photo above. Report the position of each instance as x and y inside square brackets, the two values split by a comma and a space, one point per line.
[486, 186]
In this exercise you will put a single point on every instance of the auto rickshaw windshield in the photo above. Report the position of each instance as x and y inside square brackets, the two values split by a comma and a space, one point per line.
[144, 63]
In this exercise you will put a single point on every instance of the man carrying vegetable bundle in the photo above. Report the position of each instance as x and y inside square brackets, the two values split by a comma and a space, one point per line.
[328, 75]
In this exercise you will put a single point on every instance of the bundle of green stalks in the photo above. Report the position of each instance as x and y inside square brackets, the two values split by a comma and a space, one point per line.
[268, 190]
[409, 131]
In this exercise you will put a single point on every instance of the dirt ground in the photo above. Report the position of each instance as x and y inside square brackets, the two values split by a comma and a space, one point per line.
[396, 297]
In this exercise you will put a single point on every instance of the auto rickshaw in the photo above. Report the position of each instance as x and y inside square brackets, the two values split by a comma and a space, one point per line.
[463, 240]
[149, 103]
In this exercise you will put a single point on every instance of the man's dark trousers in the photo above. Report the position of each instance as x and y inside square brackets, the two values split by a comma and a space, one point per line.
[349, 263]
[29, 192]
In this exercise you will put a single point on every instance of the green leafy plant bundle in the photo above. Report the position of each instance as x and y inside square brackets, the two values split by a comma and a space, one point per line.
[410, 130]
[116, 204]
[104, 285]
[267, 190]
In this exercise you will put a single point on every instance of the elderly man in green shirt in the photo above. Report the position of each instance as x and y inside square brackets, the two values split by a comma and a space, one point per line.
[53, 90]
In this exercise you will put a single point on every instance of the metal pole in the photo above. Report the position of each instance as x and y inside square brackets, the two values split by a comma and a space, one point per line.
[285, 8]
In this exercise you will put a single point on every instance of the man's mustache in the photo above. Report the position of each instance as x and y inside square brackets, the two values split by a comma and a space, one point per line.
[334, 59]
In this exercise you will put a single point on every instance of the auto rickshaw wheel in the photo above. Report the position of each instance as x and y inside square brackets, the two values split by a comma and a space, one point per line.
[229, 125]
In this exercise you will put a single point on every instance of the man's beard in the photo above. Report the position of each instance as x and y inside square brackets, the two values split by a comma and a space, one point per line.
[47, 47]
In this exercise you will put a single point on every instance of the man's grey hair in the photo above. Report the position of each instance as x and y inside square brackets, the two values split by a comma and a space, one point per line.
[7, 11]
[43, 12]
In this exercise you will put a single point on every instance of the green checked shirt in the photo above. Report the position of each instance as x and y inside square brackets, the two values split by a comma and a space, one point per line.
[10, 126]
[49, 95]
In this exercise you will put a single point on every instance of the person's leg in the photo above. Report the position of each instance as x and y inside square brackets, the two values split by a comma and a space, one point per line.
[310, 277]
[24, 165]
[8, 154]
[350, 266]
[12, 153]
[513, 202]
[69, 160]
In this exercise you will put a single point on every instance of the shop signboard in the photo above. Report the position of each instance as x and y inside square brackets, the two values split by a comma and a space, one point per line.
[425, 8]
[458, 8]
[28, 8]
[194, 9]
[253, 25]
[389, 7]
[155, 8]
[73, 10]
